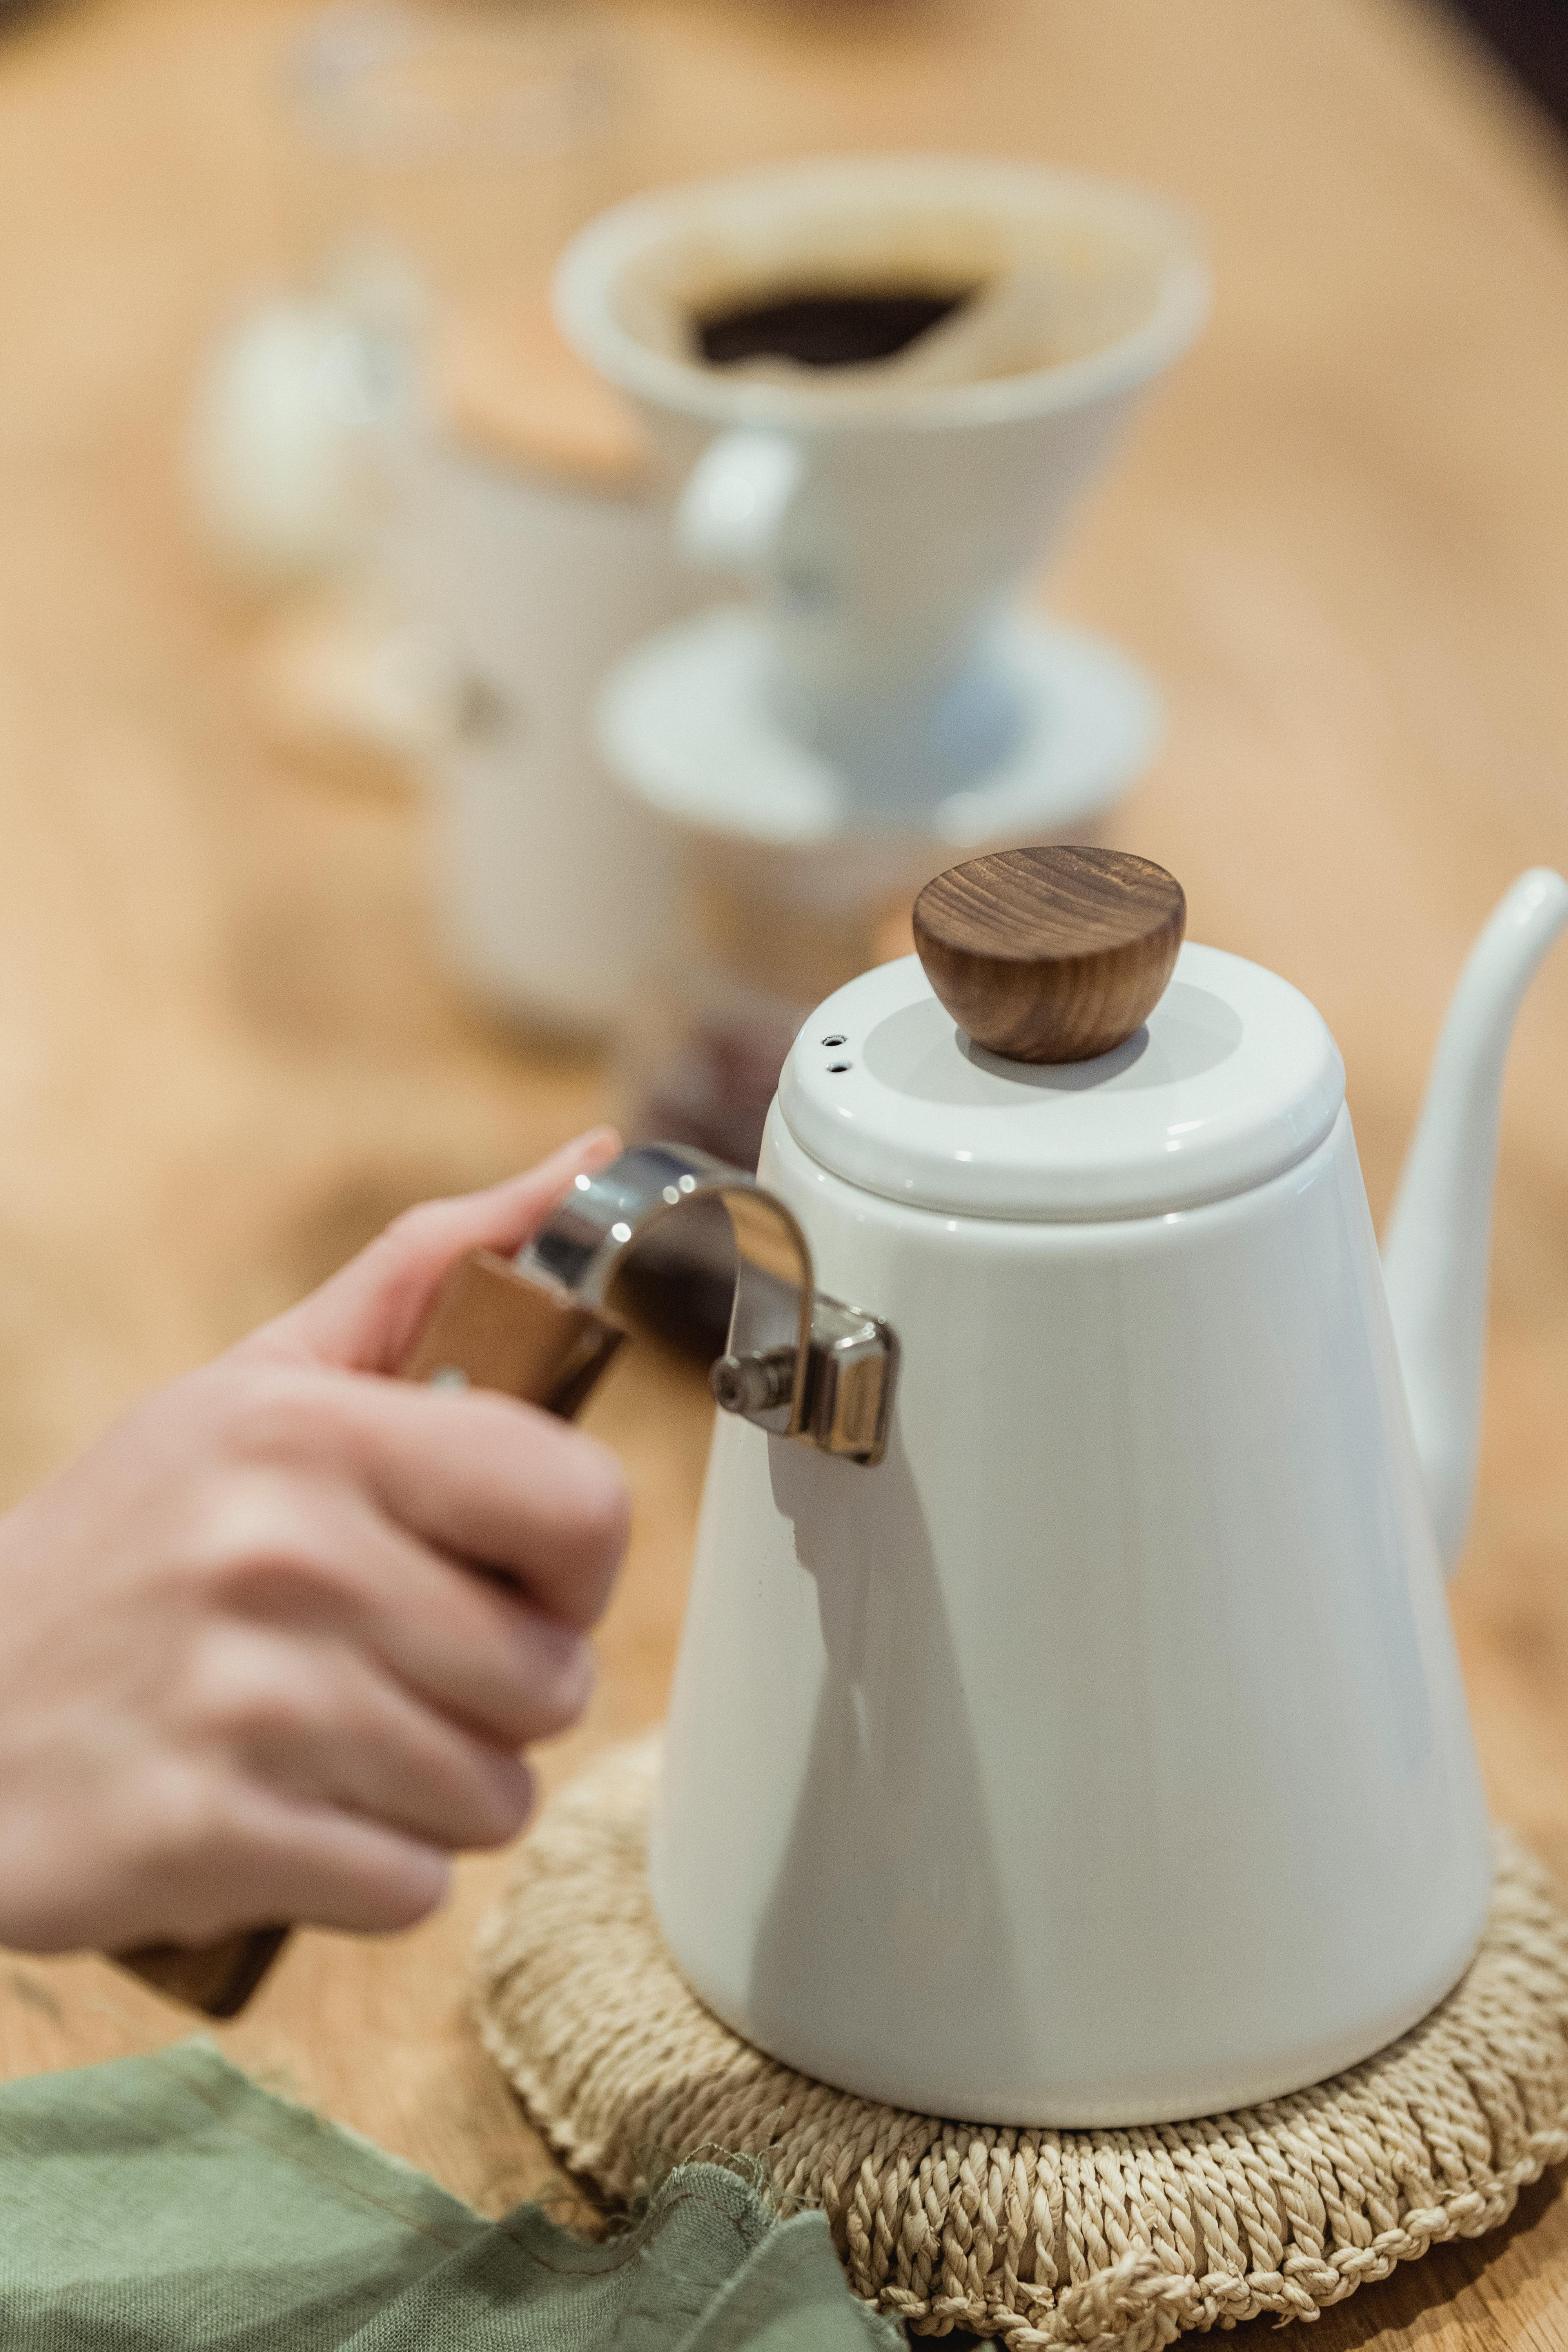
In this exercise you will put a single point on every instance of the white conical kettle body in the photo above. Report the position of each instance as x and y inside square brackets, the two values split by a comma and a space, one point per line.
[1102, 1755]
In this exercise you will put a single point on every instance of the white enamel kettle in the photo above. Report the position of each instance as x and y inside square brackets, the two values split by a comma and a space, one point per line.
[1099, 1754]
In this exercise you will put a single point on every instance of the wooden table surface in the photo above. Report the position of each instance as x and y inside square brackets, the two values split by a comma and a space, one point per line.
[228, 1051]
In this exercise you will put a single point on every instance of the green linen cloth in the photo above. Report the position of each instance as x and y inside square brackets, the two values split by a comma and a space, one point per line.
[165, 2203]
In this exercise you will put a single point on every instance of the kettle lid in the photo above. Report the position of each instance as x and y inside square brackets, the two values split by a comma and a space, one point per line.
[1221, 1075]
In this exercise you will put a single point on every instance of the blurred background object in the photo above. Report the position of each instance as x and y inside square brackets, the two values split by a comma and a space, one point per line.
[551, 885]
[304, 420]
[1531, 36]
[885, 510]
[465, 134]
[408, 419]
[922, 362]
[442, 151]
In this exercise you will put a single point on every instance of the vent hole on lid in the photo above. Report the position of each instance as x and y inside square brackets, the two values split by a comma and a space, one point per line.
[836, 1041]
[836, 1070]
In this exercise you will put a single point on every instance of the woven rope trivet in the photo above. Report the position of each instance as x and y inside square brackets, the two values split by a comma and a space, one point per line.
[1045, 2238]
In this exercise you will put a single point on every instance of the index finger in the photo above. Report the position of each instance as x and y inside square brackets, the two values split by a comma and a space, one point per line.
[365, 1317]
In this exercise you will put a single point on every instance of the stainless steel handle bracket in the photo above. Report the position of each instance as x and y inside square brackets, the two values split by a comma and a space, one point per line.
[798, 1364]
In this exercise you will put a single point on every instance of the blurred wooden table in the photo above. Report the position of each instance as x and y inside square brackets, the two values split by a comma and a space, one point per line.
[226, 1050]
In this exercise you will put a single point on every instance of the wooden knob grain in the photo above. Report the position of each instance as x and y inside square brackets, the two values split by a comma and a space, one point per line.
[1050, 955]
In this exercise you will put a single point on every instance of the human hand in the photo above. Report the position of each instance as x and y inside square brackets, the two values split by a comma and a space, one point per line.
[246, 1672]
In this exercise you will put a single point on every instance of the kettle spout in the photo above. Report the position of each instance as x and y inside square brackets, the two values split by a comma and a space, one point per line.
[1437, 1250]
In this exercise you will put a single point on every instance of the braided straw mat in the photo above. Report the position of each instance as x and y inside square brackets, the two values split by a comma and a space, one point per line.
[1042, 2238]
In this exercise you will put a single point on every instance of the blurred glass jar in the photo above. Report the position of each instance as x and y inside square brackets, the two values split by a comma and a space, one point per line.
[760, 935]
[440, 153]
[462, 139]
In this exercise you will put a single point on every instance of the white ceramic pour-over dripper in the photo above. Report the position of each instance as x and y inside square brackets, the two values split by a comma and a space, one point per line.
[888, 523]
[1101, 1755]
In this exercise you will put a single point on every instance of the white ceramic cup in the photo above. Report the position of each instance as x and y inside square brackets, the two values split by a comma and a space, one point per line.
[888, 523]
[550, 882]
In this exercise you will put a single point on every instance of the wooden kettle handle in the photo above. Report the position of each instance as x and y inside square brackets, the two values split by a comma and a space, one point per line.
[218, 1978]
[1050, 955]
[491, 1329]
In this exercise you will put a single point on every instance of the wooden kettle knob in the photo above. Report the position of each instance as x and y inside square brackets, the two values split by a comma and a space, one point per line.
[1050, 955]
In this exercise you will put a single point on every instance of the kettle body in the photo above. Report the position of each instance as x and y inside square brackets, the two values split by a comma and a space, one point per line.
[1101, 1755]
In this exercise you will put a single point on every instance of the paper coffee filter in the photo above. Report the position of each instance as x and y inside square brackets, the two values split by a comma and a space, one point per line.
[1046, 289]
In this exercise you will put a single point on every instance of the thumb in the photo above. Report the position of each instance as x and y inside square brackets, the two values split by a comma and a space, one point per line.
[365, 1317]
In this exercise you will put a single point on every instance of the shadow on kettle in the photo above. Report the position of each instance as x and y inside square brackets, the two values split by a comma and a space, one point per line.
[890, 1889]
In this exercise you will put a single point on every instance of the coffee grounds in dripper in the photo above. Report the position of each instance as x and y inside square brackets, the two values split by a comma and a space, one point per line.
[828, 327]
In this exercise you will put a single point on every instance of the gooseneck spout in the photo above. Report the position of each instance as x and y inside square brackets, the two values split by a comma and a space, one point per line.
[1437, 1250]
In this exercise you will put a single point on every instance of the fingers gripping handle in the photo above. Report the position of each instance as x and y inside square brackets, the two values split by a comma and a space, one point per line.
[490, 1328]
[540, 1327]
